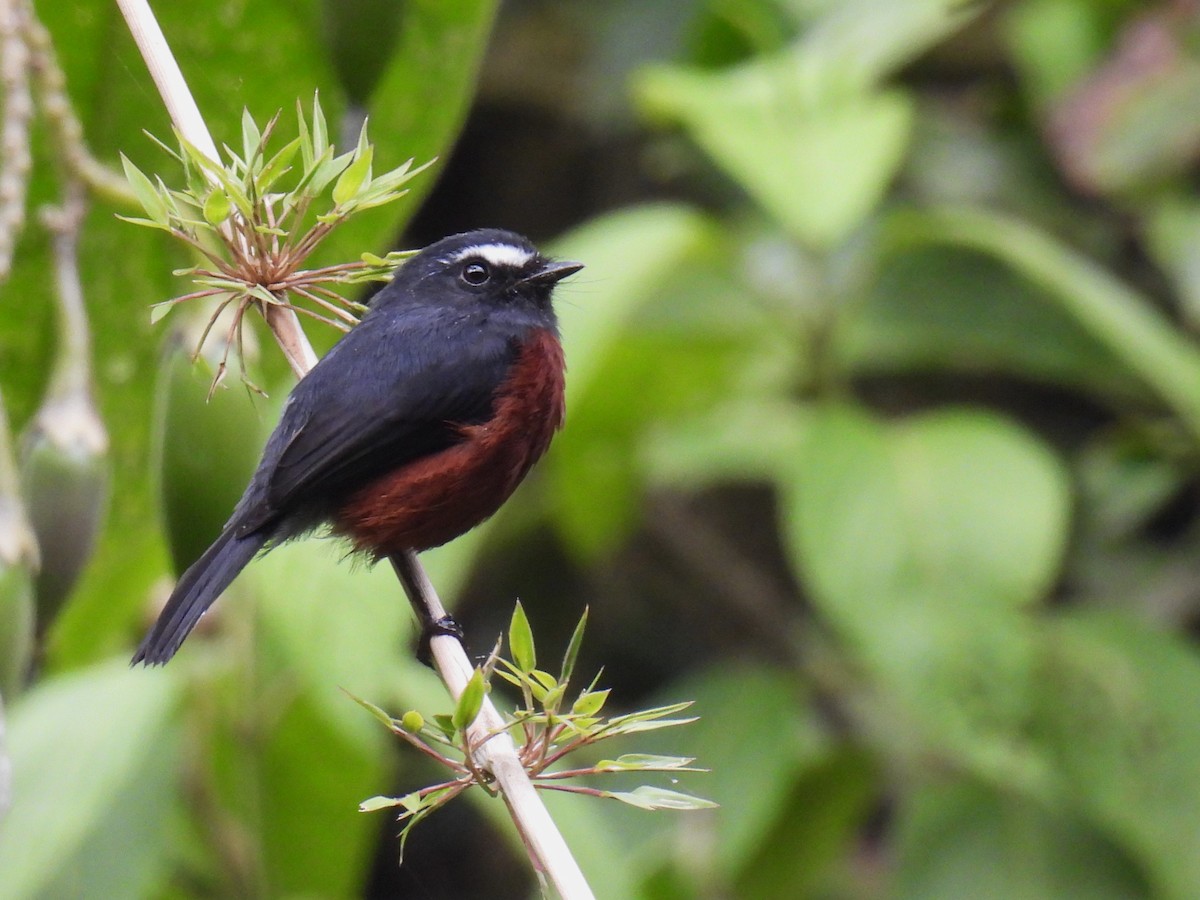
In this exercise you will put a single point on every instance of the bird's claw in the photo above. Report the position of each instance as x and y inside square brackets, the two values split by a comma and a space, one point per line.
[446, 626]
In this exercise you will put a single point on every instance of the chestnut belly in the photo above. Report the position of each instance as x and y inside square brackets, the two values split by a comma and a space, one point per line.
[436, 498]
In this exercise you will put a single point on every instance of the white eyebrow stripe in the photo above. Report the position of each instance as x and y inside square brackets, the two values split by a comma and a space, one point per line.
[496, 254]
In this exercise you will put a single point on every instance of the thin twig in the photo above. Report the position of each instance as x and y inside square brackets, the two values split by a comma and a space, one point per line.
[313, 296]
[495, 751]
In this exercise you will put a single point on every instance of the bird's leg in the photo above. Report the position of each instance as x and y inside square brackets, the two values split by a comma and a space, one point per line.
[430, 628]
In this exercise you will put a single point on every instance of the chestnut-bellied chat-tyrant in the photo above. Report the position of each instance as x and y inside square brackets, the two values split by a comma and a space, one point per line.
[413, 429]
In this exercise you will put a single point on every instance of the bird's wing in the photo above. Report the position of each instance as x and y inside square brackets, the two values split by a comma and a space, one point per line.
[390, 392]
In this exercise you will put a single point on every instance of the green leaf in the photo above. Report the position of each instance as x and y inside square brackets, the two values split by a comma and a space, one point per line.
[536, 690]
[552, 698]
[251, 137]
[159, 310]
[277, 166]
[656, 712]
[218, 174]
[377, 803]
[589, 703]
[390, 181]
[520, 640]
[419, 103]
[327, 168]
[712, 448]
[147, 194]
[572, 651]
[353, 178]
[364, 144]
[653, 798]
[320, 133]
[637, 761]
[370, 198]
[307, 154]
[469, 702]
[819, 172]
[810, 132]
[145, 223]
[630, 725]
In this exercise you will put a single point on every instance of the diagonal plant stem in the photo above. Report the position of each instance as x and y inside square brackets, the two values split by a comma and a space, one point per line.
[495, 751]
[489, 732]
[185, 114]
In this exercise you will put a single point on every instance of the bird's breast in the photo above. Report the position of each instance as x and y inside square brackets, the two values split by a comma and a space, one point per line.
[434, 499]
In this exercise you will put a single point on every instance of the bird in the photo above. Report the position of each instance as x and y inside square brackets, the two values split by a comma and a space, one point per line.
[414, 428]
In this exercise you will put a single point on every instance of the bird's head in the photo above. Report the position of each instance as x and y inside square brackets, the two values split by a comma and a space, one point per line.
[490, 267]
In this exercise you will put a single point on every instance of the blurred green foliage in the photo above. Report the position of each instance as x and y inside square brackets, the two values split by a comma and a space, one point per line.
[922, 273]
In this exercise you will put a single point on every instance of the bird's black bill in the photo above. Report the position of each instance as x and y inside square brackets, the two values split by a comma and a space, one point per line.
[553, 272]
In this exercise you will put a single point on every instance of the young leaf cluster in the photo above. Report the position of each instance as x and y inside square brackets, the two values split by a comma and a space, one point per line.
[257, 217]
[548, 727]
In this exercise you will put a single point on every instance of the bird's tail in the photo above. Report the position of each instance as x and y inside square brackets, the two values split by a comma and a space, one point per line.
[199, 586]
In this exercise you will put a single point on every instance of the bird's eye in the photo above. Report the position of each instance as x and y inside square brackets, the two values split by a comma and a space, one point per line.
[476, 273]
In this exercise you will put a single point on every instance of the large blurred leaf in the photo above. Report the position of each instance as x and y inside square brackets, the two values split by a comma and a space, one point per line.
[714, 446]
[1131, 122]
[819, 823]
[957, 505]
[921, 542]
[630, 256]
[94, 766]
[311, 778]
[807, 132]
[818, 171]
[964, 840]
[327, 623]
[360, 37]
[1054, 43]
[1118, 719]
[205, 449]
[1116, 315]
[851, 45]
[1173, 231]
[938, 309]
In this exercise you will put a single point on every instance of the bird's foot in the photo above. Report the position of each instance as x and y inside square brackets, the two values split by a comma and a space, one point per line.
[446, 626]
